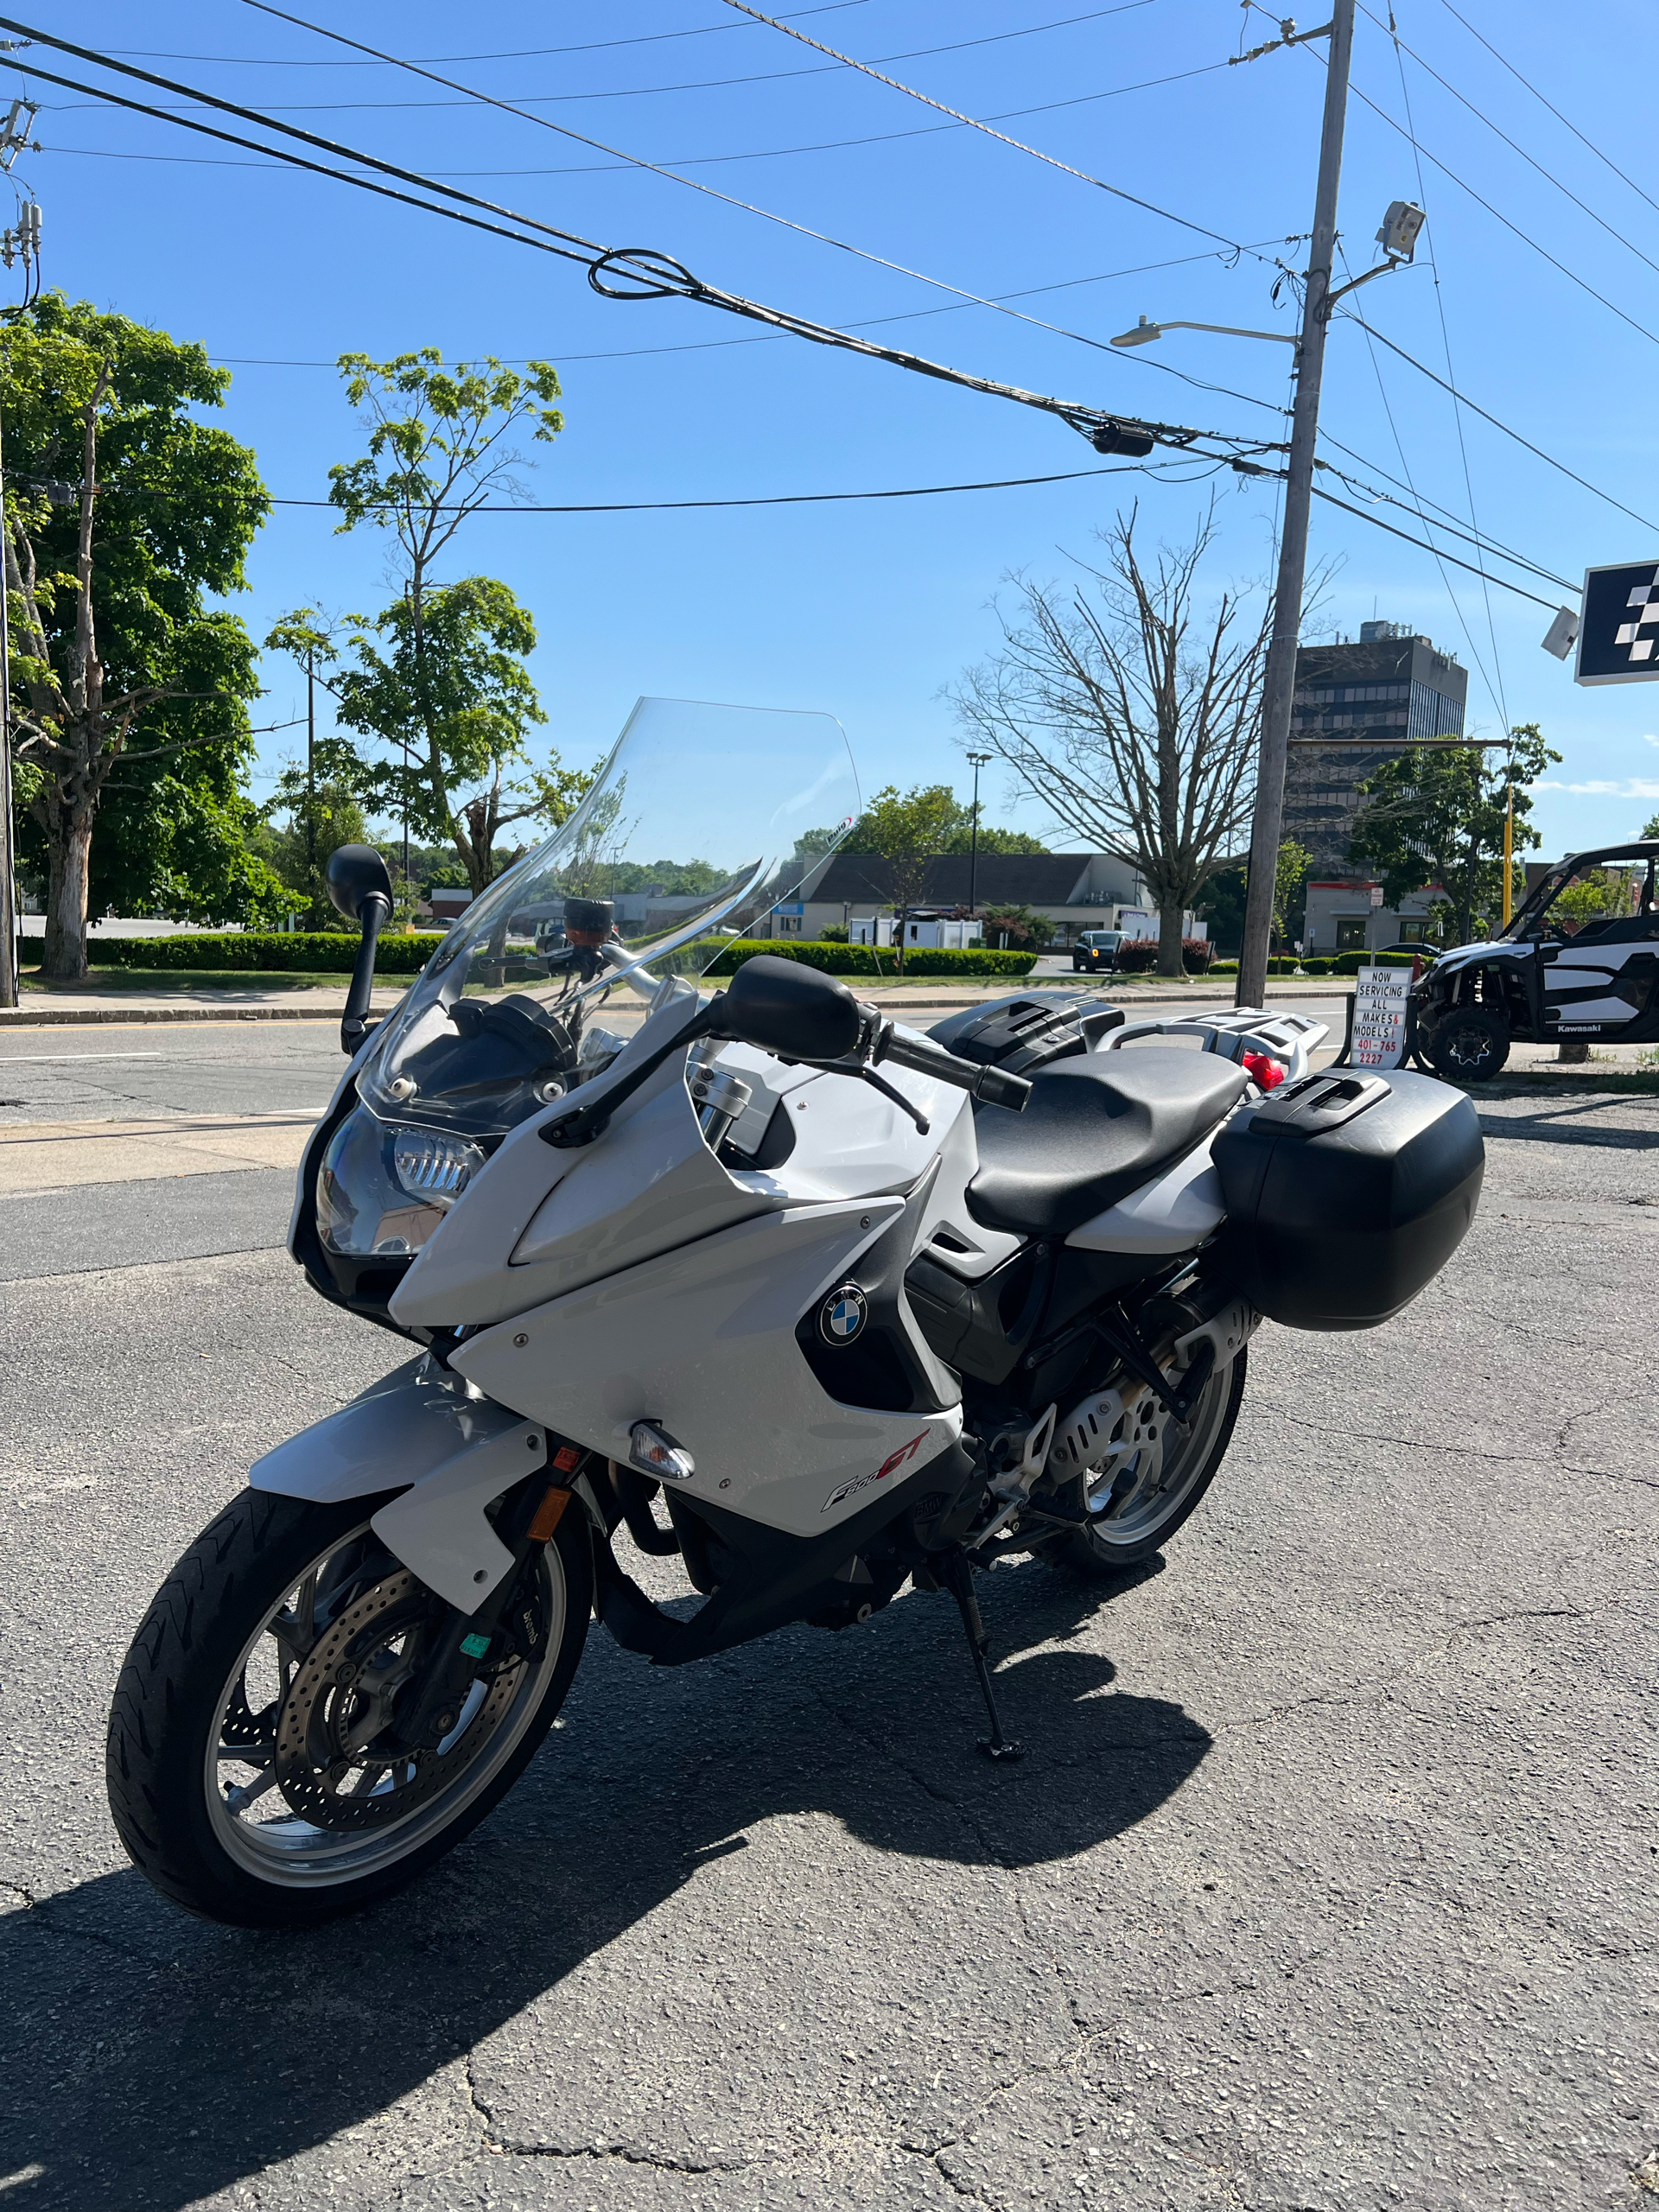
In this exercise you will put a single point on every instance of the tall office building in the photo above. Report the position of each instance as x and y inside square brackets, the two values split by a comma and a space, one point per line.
[1373, 699]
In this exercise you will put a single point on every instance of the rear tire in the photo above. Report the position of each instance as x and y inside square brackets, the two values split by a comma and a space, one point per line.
[1469, 1044]
[187, 1685]
[1101, 1551]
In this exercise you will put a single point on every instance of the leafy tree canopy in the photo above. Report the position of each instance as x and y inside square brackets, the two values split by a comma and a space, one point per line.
[130, 690]
[1435, 815]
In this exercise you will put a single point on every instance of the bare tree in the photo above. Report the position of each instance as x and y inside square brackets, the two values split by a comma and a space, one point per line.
[1132, 714]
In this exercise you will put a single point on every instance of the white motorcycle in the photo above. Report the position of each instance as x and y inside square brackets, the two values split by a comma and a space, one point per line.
[851, 1307]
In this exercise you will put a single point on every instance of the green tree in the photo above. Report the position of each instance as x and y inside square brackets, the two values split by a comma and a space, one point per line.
[1289, 877]
[449, 697]
[323, 812]
[123, 515]
[907, 829]
[439, 448]
[961, 840]
[1018, 927]
[1651, 829]
[1435, 815]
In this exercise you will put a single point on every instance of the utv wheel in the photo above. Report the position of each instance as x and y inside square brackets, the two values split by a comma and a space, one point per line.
[241, 1765]
[1155, 1479]
[1469, 1045]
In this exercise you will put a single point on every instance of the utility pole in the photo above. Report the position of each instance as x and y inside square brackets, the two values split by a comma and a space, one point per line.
[1279, 684]
[979, 761]
[8, 858]
[311, 782]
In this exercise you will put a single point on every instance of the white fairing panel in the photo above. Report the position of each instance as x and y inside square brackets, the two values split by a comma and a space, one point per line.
[456, 1450]
[1174, 1214]
[1580, 968]
[701, 1341]
[649, 1183]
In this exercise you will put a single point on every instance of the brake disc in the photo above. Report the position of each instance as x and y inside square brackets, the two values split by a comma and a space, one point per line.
[338, 1709]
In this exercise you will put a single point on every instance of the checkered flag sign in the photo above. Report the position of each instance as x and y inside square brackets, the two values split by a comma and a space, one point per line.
[1618, 634]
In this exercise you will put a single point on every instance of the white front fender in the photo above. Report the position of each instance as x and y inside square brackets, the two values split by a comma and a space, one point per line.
[451, 1453]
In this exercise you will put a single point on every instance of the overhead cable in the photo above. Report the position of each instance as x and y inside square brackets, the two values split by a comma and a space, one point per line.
[1498, 696]
[633, 272]
[1613, 230]
[1563, 120]
[1560, 467]
[643, 92]
[332, 147]
[1570, 274]
[512, 54]
[1377, 523]
[957, 115]
[265, 8]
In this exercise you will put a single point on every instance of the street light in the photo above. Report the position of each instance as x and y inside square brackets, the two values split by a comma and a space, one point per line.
[980, 760]
[1145, 332]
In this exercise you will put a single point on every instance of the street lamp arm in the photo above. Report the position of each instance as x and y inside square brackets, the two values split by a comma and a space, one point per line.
[1144, 332]
[1354, 282]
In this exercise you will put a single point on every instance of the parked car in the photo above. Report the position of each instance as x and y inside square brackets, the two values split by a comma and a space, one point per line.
[1549, 974]
[1096, 952]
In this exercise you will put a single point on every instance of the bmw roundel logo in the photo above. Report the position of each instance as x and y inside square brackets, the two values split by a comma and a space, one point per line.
[842, 1314]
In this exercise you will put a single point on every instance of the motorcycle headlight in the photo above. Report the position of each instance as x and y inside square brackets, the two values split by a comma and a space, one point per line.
[383, 1189]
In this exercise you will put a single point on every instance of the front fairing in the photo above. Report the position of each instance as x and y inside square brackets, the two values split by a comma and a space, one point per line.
[1441, 980]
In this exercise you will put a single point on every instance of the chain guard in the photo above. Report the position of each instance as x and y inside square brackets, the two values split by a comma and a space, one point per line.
[323, 1779]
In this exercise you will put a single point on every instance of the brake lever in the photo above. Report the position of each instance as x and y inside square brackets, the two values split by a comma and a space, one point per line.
[890, 1090]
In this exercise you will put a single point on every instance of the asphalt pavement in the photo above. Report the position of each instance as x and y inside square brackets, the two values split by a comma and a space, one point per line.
[1327, 1884]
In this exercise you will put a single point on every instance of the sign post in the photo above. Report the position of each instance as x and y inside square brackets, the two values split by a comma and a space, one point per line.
[1381, 1017]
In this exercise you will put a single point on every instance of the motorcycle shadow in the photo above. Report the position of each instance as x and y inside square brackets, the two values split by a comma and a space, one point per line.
[157, 2060]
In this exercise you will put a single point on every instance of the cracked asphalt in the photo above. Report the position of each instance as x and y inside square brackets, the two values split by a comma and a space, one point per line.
[1327, 1884]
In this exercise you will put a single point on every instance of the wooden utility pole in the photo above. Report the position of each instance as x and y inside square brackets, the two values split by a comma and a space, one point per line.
[7, 856]
[1280, 685]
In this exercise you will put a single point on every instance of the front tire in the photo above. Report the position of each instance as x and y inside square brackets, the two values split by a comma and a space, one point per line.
[1140, 1520]
[203, 1701]
[1468, 1044]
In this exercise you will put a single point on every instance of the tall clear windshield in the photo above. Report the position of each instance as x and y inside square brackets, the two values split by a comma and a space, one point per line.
[702, 820]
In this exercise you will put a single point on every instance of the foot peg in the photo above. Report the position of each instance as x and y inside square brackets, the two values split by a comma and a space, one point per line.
[959, 1580]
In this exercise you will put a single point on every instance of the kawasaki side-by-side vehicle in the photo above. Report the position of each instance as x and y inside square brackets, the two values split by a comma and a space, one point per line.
[1550, 973]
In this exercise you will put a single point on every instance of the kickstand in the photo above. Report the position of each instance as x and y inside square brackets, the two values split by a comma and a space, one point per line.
[959, 1580]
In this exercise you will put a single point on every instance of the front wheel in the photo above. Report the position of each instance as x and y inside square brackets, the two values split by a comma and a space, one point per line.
[1468, 1044]
[1154, 1478]
[252, 1770]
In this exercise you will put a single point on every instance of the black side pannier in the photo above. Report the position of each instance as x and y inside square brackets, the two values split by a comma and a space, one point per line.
[1346, 1193]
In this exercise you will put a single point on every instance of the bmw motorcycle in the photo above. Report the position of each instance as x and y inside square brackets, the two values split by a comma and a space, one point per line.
[776, 1285]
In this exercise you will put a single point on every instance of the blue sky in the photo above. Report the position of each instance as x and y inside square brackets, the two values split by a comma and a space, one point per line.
[866, 610]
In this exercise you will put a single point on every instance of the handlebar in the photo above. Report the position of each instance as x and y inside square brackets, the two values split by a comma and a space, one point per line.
[994, 1086]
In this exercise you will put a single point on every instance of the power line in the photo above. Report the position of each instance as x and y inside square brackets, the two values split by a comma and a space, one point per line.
[957, 115]
[265, 8]
[1570, 274]
[1613, 231]
[644, 92]
[650, 275]
[1499, 700]
[450, 192]
[1442, 517]
[714, 161]
[1559, 466]
[1377, 523]
[514, 53]
[1554, 110]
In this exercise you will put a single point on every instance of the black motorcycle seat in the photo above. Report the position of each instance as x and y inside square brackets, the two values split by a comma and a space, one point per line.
[1095, 1128]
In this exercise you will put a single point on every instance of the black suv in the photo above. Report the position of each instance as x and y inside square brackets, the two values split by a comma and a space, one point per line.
[1551, 973]
[1095, 950]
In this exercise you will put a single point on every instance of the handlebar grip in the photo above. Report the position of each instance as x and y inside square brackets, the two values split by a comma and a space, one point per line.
[998, 1088]
[994, 1085]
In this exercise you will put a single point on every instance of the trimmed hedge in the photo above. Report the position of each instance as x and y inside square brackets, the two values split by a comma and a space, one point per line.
[314, 952]
[874, 963]
[1339, 963]
[1136, 955]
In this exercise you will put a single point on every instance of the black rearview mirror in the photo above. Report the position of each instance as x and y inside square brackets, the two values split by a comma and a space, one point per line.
[356, 874]
[785, 1007]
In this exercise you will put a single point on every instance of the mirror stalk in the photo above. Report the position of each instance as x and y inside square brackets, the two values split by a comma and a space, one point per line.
[373, 914]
